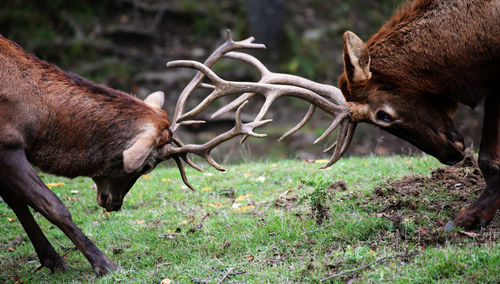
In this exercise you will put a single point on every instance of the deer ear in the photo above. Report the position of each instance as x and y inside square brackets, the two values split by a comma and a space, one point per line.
[155, 99]
[135, 156]
[356, 59]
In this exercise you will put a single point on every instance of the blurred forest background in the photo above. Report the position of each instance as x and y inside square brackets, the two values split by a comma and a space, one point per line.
[126, 43]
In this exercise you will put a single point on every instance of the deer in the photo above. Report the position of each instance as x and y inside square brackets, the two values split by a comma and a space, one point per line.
[407, 79]
[65, 125]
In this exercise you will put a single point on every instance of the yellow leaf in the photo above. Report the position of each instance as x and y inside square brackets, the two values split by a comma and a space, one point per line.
[205, 189]
[216, 205]
[146, 176]
[322, 161]
[54, 184]
[372, 252]
[140, 221]
[243, 208]
[166, 180]
[243, 197]
[274, 165]
[247, 175]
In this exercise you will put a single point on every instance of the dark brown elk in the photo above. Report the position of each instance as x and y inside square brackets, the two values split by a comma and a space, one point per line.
[409, 79]
[68, 126]
[410, 76]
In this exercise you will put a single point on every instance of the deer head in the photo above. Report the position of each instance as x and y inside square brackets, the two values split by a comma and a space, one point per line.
[423, 119]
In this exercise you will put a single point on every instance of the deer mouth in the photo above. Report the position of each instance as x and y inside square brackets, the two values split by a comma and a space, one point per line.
[106, 201]
[456, 147]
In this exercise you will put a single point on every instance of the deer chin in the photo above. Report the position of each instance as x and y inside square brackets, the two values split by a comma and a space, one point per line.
[454, 149]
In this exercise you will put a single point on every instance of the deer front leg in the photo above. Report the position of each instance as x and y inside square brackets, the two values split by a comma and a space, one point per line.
[482, 210]
[489, 152]
[22, 180]
[45, 251]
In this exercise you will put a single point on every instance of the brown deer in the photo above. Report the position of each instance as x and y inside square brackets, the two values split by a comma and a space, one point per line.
[68, 126]
[408, 79]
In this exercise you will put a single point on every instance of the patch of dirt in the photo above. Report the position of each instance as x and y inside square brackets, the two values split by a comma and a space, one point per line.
[430, 201]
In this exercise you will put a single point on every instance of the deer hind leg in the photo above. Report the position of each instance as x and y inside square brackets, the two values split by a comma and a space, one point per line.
[22, 180]
[45, 251]
[485, 207]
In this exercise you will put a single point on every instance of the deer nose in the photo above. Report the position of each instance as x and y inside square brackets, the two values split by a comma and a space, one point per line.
[456, 139]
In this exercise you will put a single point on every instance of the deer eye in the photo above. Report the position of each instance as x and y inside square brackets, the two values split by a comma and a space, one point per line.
[384, 117]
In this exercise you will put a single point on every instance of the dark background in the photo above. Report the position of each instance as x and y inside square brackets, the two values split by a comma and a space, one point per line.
[126, 43]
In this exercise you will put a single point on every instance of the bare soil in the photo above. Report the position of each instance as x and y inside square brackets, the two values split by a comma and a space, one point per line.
[429, 202]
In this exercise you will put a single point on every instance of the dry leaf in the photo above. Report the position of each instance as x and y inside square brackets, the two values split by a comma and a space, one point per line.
[216, 205]
[469, 234]
[372, 252]
[167, 180]
[147, 176]
[205, 189]
[54, 184]
[139, 221]
[243, 208]
[247, 175]
[11, 219]
[243, 197]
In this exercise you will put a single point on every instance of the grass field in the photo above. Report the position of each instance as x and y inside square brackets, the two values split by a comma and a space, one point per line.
[255, 224]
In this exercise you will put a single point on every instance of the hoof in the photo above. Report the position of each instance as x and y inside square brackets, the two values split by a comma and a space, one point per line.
[105, 269]
[450, 226]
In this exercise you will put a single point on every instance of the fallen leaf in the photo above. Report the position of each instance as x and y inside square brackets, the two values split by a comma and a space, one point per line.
[205, 189]
[274, 165]
[372, 252]
[140, 221]
[469, 234]
[243, 197]
[196, 228]
[216, 205]
[321, 161]
[10, 249]
[54, 184]
[243, 208]
[147, 176]
[11, 219]
[247, 175]
[166, 180]
[166, 281]
[250, 257]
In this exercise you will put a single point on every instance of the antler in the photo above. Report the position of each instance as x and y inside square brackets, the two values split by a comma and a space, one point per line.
[204, 150]
[271, 86]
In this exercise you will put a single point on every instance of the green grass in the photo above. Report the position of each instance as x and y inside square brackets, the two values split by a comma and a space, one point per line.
[158, 235]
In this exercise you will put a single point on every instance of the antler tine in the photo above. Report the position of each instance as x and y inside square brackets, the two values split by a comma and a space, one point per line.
[204, 150]
[303, 122]
[227, 46]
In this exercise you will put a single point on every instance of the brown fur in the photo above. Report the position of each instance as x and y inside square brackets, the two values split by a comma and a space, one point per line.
[69, 126]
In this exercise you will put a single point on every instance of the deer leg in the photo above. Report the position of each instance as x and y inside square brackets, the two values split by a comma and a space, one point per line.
[482, 210]
[23, 182]
[489, 151]
[45, 251]
[485, 207]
